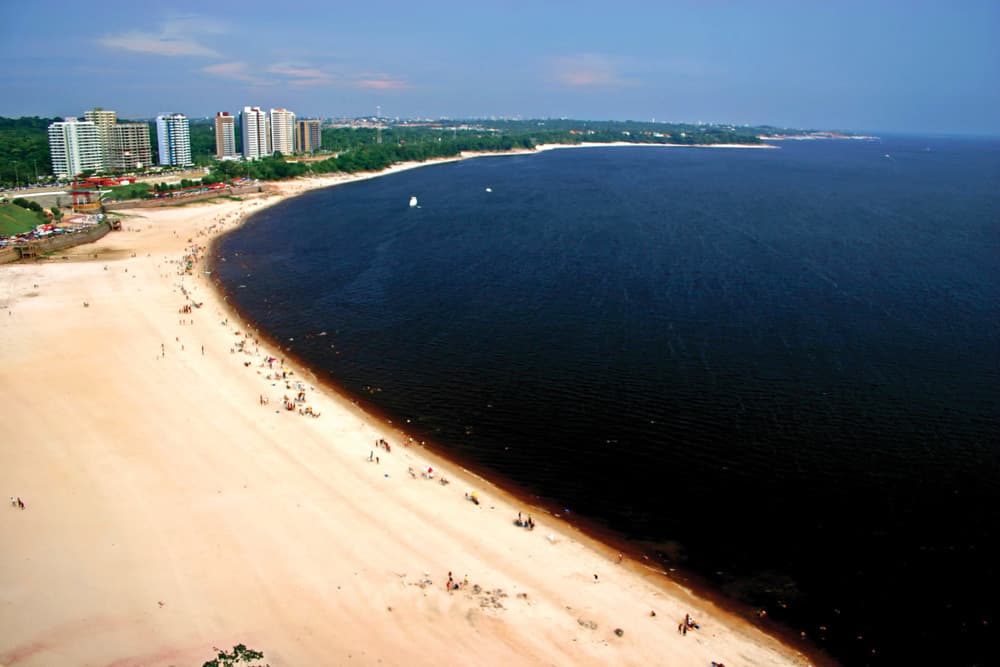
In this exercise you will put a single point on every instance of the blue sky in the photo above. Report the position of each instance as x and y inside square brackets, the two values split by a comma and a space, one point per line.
[886, 66]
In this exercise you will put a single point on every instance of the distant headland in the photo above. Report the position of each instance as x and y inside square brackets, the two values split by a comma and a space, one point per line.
[336, 145]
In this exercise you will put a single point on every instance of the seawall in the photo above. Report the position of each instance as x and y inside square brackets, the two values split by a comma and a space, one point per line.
[39, 247]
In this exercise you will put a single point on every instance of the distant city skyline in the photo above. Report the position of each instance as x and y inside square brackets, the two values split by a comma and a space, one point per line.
[878, 66]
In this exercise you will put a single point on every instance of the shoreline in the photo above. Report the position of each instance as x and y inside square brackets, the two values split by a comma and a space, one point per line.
[580, 551]
[595, 144]
[599, 536]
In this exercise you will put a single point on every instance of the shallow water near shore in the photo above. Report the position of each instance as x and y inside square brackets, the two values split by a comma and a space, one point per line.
[779, 369]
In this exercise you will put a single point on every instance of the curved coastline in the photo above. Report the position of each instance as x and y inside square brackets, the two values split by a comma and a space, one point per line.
[597, 535]
[219, 516]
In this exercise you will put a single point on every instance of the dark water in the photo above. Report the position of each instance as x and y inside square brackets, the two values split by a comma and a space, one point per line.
[778, 370]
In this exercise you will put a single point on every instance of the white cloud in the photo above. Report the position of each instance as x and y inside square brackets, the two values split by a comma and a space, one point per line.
[380, 82]
[176, 37]
[296, 72]
[301, 76]
[306, 76]
[588, 71]
[236, 71]
[228, 70]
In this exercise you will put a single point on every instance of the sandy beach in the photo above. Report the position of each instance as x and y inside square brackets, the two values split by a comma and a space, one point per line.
[173, 503]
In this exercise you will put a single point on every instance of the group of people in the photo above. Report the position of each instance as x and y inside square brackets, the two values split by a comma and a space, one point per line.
[453, 585]
[16, 501]
[528, 523]
[687, 624]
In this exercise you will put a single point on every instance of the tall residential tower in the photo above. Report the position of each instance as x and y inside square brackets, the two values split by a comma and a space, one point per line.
[130, 149]
[173, 139]
[74, 146]
[256, 133]
[225, 136]
[282, 131]
[307, 136]
[105, 120]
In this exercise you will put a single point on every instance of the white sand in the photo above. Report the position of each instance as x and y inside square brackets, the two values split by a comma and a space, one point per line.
[168, 511]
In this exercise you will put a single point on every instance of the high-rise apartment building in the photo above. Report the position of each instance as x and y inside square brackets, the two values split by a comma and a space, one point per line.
[74, 146]
[282, 131]
[225, 136]
[105, 120]
[255, 129]
[307, 136]
[173, 138]
[130, 148]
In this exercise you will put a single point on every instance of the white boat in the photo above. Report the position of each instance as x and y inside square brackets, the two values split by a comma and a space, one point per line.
[413, 201]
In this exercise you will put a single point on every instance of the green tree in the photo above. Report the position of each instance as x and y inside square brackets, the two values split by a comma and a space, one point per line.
[240, 656]
[24, 149]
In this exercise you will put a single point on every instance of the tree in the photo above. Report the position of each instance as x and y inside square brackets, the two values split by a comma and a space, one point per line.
[24, 149]
[241, 655]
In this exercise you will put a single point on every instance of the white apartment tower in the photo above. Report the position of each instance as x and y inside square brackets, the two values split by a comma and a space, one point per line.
[173, 138]
[75, 147]
[105, 120]
[256, 133]
[282, 131]
[225, 136]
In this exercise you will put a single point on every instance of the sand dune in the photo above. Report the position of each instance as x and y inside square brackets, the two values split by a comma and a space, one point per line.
[169, 511]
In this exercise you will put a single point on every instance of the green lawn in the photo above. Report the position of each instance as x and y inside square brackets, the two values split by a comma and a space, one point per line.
[134, 191]
[15, 220]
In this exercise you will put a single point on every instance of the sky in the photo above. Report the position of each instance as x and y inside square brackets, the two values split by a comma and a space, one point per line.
[910, 66]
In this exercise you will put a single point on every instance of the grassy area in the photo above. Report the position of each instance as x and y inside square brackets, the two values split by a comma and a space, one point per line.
[134, 191]
[15, 220]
